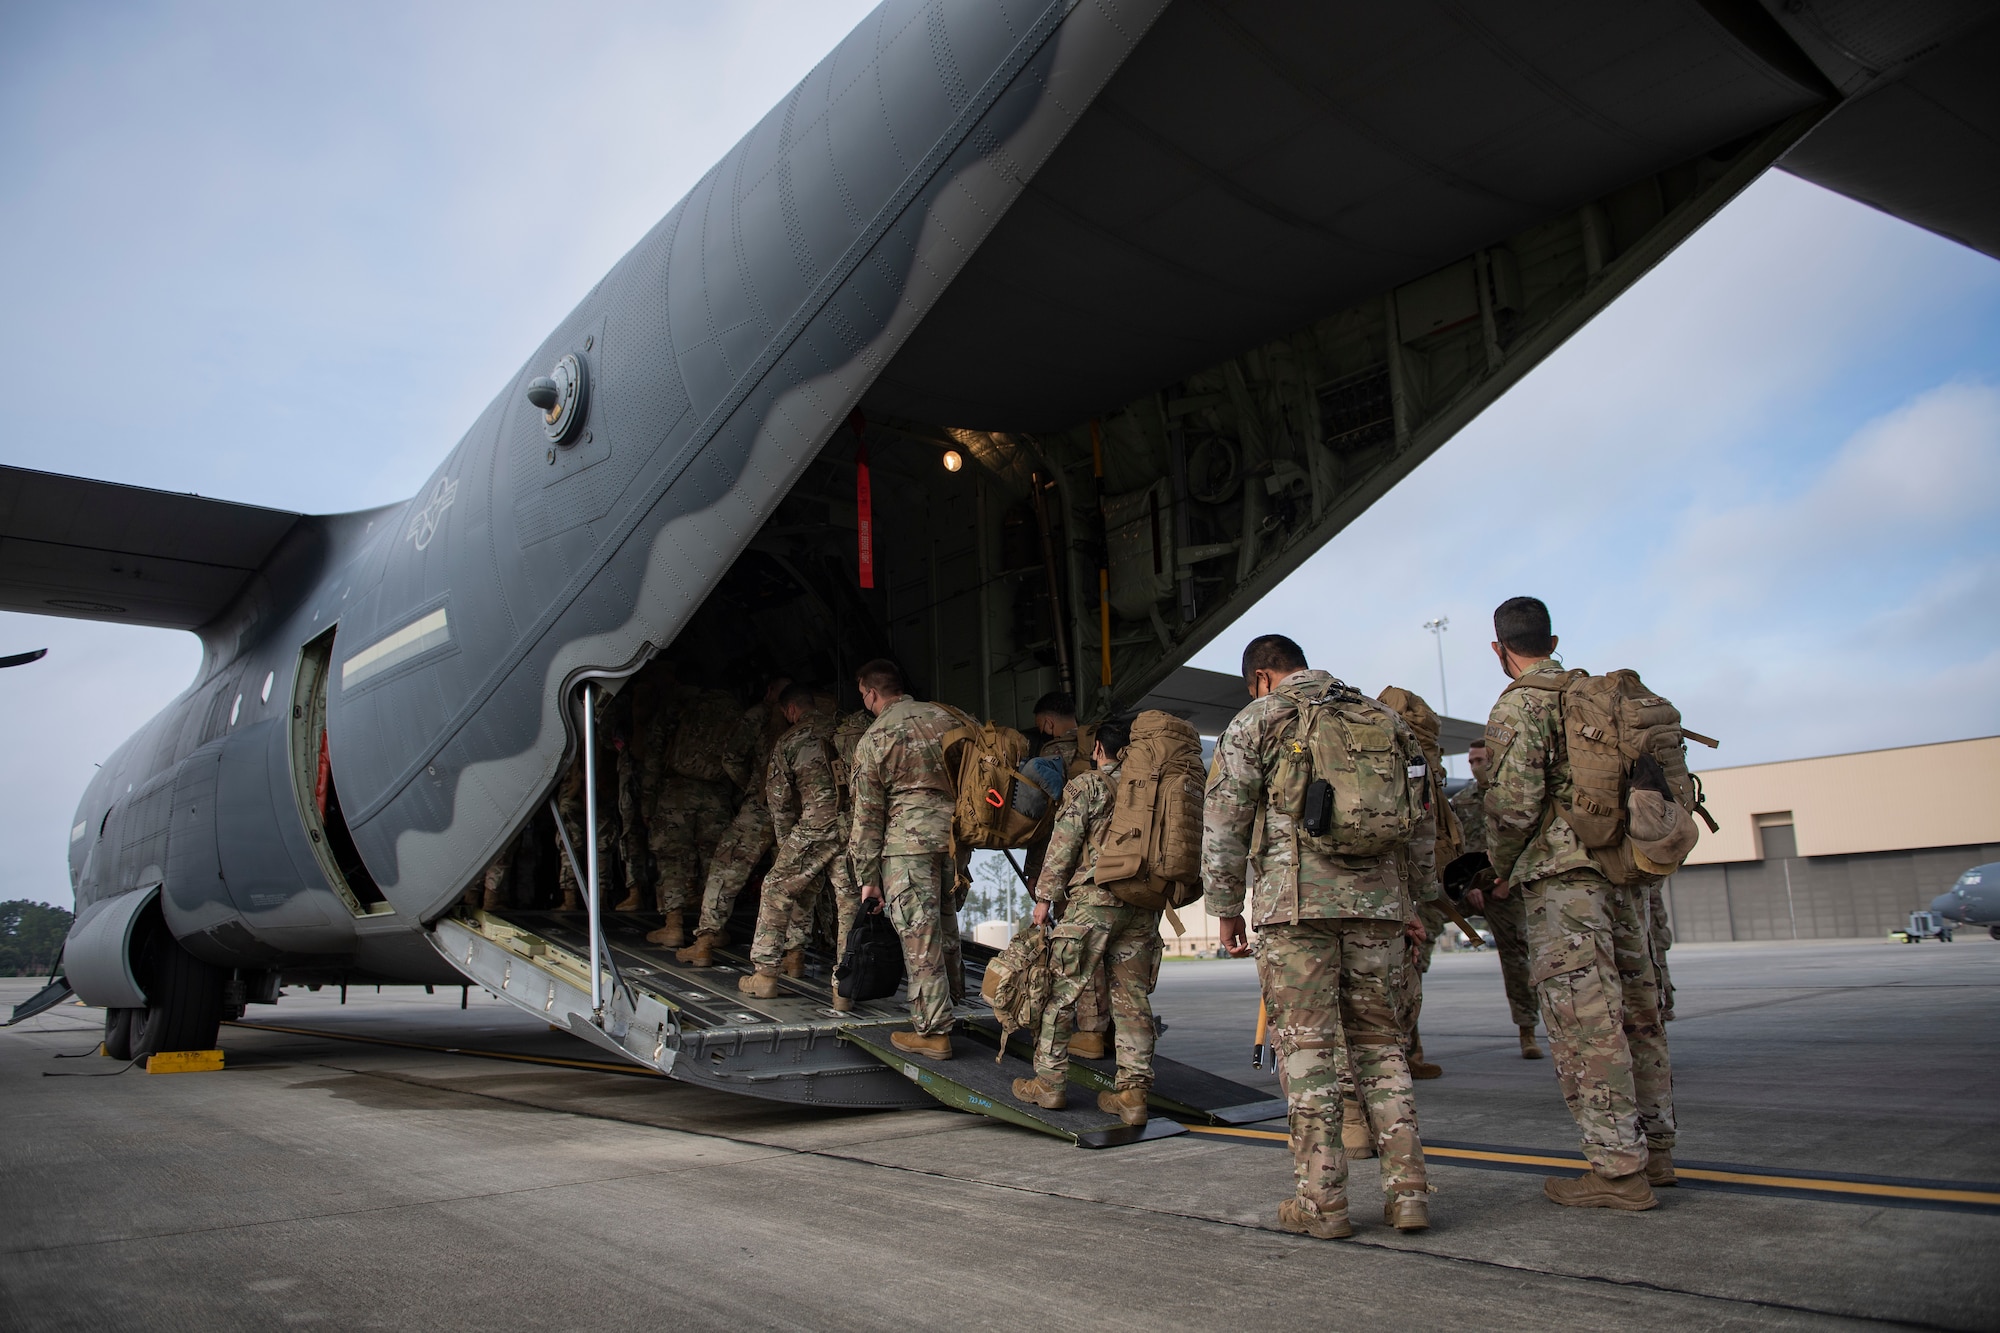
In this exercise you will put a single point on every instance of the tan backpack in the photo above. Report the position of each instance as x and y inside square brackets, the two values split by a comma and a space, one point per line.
[1149, 854]
[1633, 801]
[701, 739]
[1018, 984]
[1347, 775]
[1423, 720]
[985, 764]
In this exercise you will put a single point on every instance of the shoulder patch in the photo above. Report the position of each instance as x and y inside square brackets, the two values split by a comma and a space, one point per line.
[1499, 736]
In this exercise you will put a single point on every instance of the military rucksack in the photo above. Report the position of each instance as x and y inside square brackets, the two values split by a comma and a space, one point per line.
[1423, 720]
[986, 766]
[702, 738]
[847, 734]
[1017, 984]
[1149, 853]
[1632, 801]
[1349, 777]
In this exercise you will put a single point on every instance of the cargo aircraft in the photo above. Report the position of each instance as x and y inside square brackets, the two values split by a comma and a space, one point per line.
[1027, 341]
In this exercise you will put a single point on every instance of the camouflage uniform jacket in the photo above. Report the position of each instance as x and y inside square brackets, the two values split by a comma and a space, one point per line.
[1058, 747]
[1295, 882]
[1469, 805]
[801, 790]
[659, 742]
[1071, 860]
[747, 757]
[1528, 776]
[903, 796]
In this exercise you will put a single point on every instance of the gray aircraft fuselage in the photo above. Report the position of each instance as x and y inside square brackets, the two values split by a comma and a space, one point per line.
[1206, 279]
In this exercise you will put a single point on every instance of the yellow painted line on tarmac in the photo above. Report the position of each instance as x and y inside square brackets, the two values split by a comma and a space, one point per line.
[601, 1066]
[1814, 1184]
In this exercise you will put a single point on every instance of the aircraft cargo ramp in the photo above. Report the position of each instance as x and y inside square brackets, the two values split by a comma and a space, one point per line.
[693, 1024]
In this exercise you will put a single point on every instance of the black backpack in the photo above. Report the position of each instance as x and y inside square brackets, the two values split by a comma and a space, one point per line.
[872, 967]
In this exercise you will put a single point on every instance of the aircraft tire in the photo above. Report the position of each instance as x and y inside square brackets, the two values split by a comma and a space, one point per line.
[1993, 932]
[118, 1027]
[187, 1003]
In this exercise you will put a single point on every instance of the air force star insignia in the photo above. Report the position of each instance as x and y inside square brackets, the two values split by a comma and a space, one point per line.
[424, 523]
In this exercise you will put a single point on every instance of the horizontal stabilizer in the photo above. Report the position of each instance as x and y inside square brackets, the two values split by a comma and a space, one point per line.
[95, 550]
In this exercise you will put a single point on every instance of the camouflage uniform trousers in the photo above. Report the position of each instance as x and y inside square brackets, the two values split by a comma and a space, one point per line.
[570, 805]
[1110, 940]
[1600, 999]
[914, 888]
[784, 914]
[1660, 935]
[631, 822]
[1326, 983]
[691, 817]
[735, 860]
[1409, 979]
[1507, 918]
[846, 889]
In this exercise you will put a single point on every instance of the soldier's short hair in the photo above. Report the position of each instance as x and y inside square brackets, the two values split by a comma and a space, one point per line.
[1060, 703]
[1272, 652]
[1114, 735]
[880, 675]
[1522, 624]
[797, 695]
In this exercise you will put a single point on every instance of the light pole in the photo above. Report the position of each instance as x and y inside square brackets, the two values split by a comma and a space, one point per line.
[1437, 628]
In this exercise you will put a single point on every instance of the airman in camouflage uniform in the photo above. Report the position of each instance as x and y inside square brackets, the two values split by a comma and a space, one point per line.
[571, 807]
[690, 814]
[803, 795]
[846, 888]
[1424, 890]
[1055, 717]
[901, 845]
[1331, 936]
[747, 759]
[1588, 938]
[615, 718]
[1096, 933]
[1502, 907]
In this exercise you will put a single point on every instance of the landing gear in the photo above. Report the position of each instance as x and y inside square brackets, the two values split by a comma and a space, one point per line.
[185, 994]
[118, 1026]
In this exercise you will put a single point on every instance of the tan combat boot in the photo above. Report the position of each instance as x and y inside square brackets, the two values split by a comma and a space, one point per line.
[1048, 1096]
[1300, 1217]
[1420, 1067]
[936, 1045]
[1408, 1210]
[1355, 1135]
[1087, 1045]
[841, 1004]
[571, 903]
[761, 984]
[629, 903]
[1660, 1168]
[795, 962]
[1628, 1193]
[669, 935]
[1530, 1048]
[1128, 1104]
[701, 953]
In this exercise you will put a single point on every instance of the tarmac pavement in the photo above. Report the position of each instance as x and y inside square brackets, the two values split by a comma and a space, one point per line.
[342, 1183]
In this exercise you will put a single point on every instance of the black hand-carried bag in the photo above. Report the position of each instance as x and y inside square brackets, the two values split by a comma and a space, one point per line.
[872, 967]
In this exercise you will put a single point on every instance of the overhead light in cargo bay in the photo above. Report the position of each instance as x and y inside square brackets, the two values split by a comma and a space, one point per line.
[952, 460]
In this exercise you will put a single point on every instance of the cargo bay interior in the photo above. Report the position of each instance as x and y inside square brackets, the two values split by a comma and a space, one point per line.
[1098, 556]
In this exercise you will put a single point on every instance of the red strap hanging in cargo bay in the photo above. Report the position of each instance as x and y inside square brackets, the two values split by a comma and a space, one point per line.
[864, 506]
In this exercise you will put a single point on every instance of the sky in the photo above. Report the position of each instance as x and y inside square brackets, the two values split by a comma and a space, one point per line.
[286, 254]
